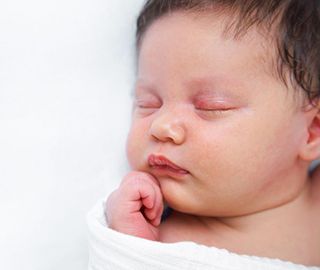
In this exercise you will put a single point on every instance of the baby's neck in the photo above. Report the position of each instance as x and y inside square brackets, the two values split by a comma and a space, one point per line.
[289, 232]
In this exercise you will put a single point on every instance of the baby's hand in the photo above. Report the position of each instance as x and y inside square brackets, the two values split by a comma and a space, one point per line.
[136, 207]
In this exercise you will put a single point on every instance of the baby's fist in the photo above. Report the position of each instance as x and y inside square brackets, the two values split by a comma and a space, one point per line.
[136, 207]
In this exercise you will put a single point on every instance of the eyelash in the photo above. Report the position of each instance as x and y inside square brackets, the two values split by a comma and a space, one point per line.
[146, 107]
[213, 112]
[213, 109]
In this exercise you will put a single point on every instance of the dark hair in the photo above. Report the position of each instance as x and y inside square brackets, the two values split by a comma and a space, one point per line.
[297, 31]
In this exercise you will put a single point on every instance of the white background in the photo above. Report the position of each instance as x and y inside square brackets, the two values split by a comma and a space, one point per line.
[66, 72]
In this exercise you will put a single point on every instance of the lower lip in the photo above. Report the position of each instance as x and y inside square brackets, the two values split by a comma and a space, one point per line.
[168, 171]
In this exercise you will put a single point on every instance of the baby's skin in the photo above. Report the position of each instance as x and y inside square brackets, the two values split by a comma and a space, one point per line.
[218, 137]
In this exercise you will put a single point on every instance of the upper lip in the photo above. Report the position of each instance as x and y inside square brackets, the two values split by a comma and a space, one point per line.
[159, 160]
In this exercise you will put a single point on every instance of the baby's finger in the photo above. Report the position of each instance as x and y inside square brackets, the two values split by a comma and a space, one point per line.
[159, 212]
[147, 194]
[150, 214]
[154, 214]
[137, 191]
[140, 175]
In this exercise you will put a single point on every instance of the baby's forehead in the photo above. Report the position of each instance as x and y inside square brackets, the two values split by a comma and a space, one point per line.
[260, 38]
[254, 49]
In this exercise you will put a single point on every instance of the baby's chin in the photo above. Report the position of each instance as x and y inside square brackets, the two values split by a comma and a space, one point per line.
[185, 204]
[214, 208]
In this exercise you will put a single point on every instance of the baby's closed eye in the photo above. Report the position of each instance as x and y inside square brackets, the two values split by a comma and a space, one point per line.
[147, 104]
[213, 108]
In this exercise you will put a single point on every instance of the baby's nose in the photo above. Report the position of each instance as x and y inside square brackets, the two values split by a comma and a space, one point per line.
[168, 127]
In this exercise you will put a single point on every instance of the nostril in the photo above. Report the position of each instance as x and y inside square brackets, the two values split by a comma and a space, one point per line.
[172, 132]
[162, 139]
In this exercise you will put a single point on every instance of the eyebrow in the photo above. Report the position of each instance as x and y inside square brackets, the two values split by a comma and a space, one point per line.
[142, 84]
[216, 85]
[203, 85]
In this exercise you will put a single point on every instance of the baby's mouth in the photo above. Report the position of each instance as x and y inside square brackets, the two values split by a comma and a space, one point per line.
[164, 164]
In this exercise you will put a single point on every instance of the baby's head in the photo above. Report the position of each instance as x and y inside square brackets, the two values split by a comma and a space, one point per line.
[227, 90]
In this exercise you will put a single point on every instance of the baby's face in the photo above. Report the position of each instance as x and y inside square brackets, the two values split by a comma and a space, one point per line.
[211, 106]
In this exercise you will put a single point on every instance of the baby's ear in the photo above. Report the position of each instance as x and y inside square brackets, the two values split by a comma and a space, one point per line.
[311, 149]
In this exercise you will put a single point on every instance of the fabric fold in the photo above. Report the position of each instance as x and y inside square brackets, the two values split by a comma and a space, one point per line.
[111, 250]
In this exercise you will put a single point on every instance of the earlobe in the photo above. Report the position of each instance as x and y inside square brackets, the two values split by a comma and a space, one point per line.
[311, 149]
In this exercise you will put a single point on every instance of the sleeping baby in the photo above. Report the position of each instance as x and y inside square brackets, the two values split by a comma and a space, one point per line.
[225, 124]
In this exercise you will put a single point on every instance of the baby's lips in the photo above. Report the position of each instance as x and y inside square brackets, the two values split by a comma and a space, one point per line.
[159, 160]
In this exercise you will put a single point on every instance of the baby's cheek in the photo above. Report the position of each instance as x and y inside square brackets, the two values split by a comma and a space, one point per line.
[131, 150]
[135, 147]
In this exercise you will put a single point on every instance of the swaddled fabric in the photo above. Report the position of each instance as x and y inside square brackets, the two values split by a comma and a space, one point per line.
[111, 250]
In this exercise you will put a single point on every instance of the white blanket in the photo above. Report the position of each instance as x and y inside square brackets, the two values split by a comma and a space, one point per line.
[116, 251]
